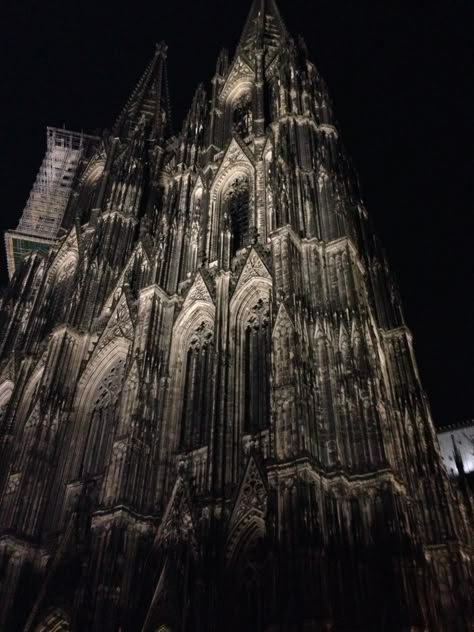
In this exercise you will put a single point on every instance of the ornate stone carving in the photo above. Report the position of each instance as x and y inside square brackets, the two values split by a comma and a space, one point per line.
[198, 292]
[177, 524]
[202, 336]
[110, 386]
[253, 268]
[240, 71]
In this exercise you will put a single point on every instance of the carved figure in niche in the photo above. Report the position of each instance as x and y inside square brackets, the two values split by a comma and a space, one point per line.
[242, 115]
[237, 208]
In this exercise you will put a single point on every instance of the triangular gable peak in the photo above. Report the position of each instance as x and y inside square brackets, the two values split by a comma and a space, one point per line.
[267, 148]
[343, 334]
[177, 524]
[250, 504]
[68, 248]
[283, 321]
[95, 167]
[164, 606]
[254, 267]
[320, 332]
[198, 292]
[120, 324]
[199, 184]
[241, 70]
[138, 251]
[71, 241]
[236, 153]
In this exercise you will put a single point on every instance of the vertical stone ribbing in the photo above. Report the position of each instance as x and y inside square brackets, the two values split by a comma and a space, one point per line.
[210, 410]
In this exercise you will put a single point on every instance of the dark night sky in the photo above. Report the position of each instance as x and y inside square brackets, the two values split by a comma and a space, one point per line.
[399, 73]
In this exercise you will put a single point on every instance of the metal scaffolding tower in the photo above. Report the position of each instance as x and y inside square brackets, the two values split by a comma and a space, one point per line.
[44, 211]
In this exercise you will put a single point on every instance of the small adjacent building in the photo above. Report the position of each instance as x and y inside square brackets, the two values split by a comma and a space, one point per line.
[457, 448]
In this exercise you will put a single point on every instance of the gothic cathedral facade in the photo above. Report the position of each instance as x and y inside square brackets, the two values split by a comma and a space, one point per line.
[211, 413]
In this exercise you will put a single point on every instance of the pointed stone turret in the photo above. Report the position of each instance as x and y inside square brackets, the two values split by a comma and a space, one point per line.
[211, 381]
[264, 28]
[193, 129]
[150, 99]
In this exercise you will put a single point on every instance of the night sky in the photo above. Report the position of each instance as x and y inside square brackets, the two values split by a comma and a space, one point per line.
[399, 73]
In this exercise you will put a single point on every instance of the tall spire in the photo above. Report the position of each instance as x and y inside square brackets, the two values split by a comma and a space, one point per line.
[150, 99]
[264, 27]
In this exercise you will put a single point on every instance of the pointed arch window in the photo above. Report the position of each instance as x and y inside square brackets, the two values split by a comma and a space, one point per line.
[237, 201]
[242, 117]
[257, 369]
[104, 402]
[197, 404]
[61, 288]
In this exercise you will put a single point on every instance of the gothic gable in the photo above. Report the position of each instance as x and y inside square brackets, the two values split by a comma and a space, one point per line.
[321, 331]
[254, 267]
[250, 506]
[283, 321]
[198, 291]
[95, 167]
[209, 400]
[267, 149]
[138, 252]
[164, 606]
[241, 71]
[199, 184]
[120, 324]
[70, 243]
[236, 154]
[177, 524]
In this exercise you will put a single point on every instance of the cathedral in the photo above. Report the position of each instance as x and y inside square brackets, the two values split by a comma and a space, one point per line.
[211, 416]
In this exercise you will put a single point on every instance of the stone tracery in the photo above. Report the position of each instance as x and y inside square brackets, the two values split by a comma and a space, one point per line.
[237, 200]
[230, 399]
[197, 404]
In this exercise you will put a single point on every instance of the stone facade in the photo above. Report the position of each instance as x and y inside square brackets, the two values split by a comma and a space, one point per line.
[211, 413]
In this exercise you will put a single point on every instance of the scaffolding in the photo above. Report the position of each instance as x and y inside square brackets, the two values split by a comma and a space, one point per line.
[44, 211]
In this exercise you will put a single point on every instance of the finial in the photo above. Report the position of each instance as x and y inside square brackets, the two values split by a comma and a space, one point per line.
[161, 48]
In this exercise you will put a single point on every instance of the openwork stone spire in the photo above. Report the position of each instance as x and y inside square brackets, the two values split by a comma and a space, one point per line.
[264, 28]
[149, 99]
[211, 417]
